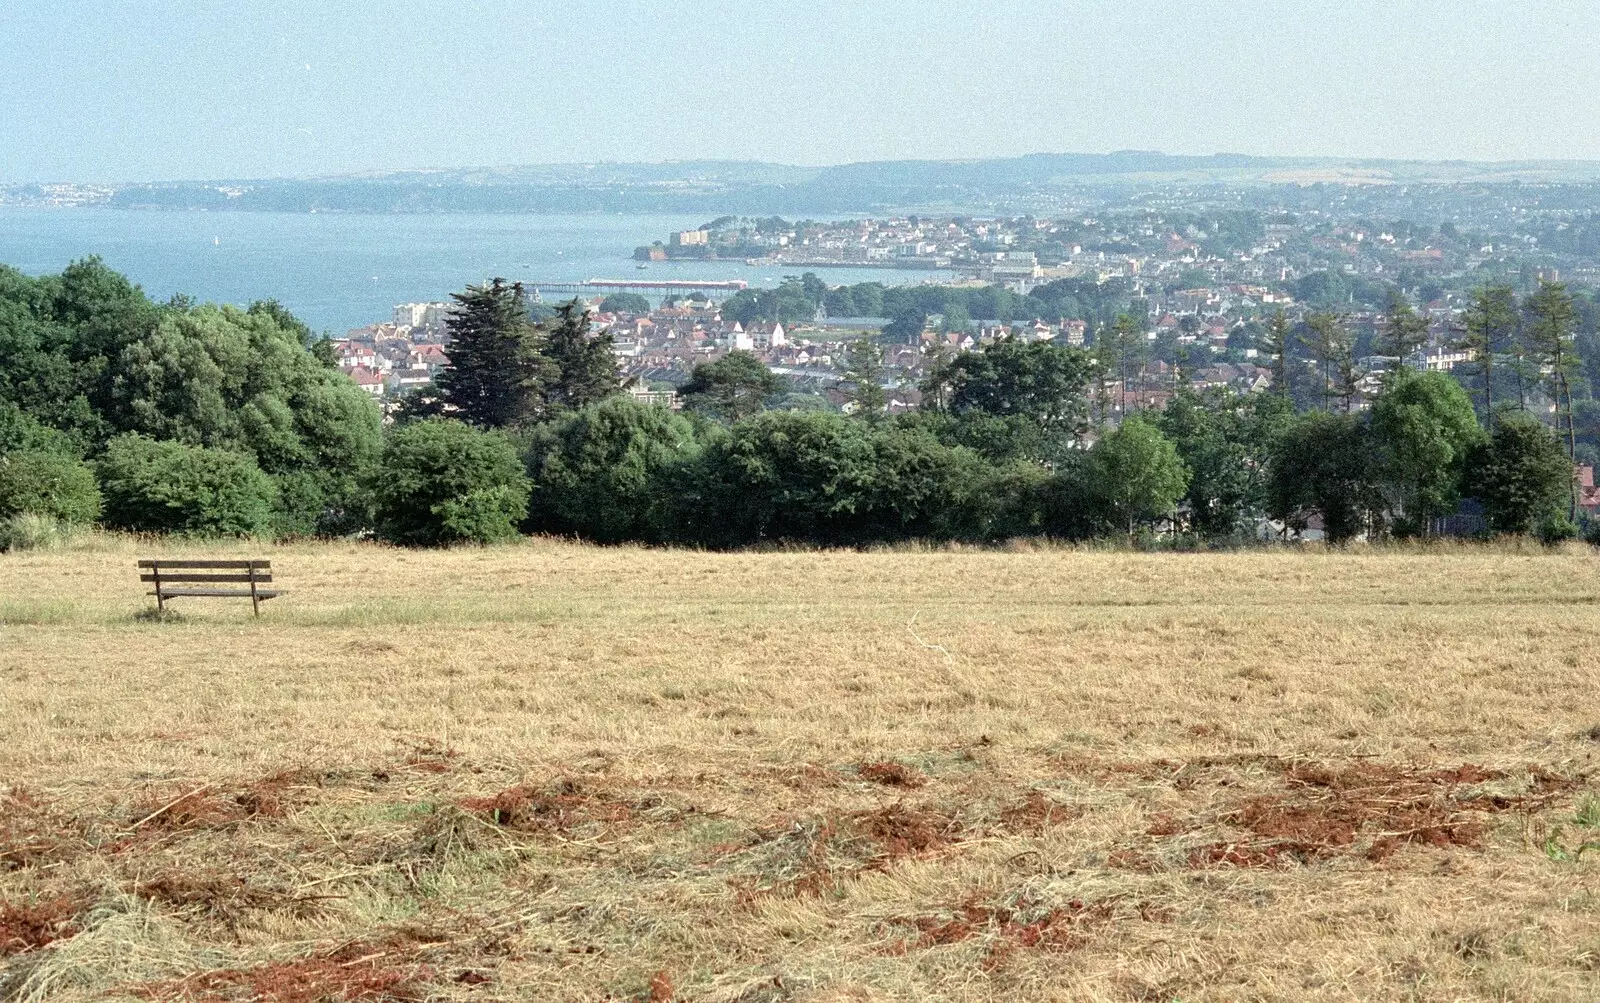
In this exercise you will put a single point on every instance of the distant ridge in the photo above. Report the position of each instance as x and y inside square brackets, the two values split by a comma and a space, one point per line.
[745, 187]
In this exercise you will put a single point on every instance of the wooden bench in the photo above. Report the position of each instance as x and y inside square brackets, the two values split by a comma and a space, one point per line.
[164, 575]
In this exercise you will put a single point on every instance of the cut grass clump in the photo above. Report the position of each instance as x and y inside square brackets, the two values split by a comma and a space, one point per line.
[226, 898]
[28, 926]
[1369, 810]
[1022, 922]
[892, 774]
[354, 973]
[558, 808]
[1037, 812]
[33, 832]
[215, 806]
[818, 856]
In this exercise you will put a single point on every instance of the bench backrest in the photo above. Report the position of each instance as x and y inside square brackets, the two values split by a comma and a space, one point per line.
[175, 572]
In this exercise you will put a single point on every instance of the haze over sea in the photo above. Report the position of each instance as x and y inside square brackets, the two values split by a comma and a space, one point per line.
[339, 271]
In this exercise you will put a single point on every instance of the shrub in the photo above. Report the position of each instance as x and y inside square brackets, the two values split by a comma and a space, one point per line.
[171, 487]
[31, 532]
[54, 485]
[830, 479]
[1555, 528]
[601, 472]
[1070, 504]
[441, 481]
[1523, 478]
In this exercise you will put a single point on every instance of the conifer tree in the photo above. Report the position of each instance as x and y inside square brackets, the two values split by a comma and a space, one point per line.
[586, 367]
[1329, 341]
[1405, 330]
[1490, 320]
[1551, 333]
[1275, 343]
[864, 375]
[497, 375]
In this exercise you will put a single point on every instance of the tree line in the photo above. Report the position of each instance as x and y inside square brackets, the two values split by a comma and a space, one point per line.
[909, 308]
[203, 420]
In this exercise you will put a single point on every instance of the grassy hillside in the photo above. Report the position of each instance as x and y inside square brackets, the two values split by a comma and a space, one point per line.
[565, 773]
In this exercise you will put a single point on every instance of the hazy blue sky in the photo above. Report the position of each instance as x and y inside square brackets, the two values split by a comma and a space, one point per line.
[146, 89]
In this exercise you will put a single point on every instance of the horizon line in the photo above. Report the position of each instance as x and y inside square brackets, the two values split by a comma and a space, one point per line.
[381, 172]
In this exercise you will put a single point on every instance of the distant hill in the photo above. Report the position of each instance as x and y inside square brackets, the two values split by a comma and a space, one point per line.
[716, 187]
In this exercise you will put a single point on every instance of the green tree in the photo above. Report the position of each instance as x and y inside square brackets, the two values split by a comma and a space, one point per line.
[732, 388]
[1404, 330]
[1139, 474]
[152, 486]
[21, 431]
[442, 481]
[585, 367]
[824, 478]
[956, 318]
[604, 473]
[1491, 319]
[1322, 464]
[1423, 429]
[625, 303]
[1551, 333]
[1522, 477]
[1037, 381]
[1330, 344]
[1122, 352]
[86, 354]
[497, 374]
[864, 375]
[1225, 441]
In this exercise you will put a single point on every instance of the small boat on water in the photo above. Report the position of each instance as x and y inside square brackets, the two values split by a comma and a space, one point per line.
[641, 266]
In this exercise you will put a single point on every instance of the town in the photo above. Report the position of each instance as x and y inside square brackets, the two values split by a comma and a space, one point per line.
[1201, 288]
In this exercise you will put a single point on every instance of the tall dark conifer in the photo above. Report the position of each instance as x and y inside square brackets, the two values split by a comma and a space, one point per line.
[497, 375]
[1404, 330]
[585, 363]
[1491, 319]
[1275, 344]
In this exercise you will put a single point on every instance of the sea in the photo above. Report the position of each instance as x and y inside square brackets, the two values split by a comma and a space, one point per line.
[341, 271]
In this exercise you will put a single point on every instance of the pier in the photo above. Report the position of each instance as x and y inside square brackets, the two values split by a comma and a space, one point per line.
[657, 286]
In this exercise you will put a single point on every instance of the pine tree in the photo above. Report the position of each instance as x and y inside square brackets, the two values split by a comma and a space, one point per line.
[586, 367]
[497, 374]
[864, 376]
[1490, 320]
[1128, 344]
[1404, 330]
[1329, 342]
[1551, 331]
[1275, 344]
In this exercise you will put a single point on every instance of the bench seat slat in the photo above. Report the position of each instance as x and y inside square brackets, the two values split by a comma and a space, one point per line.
[263, 565]
[167, 593]
[190, 576]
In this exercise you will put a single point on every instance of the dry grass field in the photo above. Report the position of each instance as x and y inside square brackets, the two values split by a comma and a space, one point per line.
[551, 772]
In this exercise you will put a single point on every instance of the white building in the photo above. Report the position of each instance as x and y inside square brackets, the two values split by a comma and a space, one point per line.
[416, 315]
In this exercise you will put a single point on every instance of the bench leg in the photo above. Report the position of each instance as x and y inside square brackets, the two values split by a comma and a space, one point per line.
[255, 600]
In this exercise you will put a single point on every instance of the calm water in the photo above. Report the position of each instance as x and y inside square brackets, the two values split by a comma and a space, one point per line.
[337, 272]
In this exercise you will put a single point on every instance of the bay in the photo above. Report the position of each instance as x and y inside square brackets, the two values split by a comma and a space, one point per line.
[340, 271]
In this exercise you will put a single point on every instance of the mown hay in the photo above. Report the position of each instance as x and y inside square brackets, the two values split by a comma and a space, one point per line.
[353, 973]
[28, 926]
